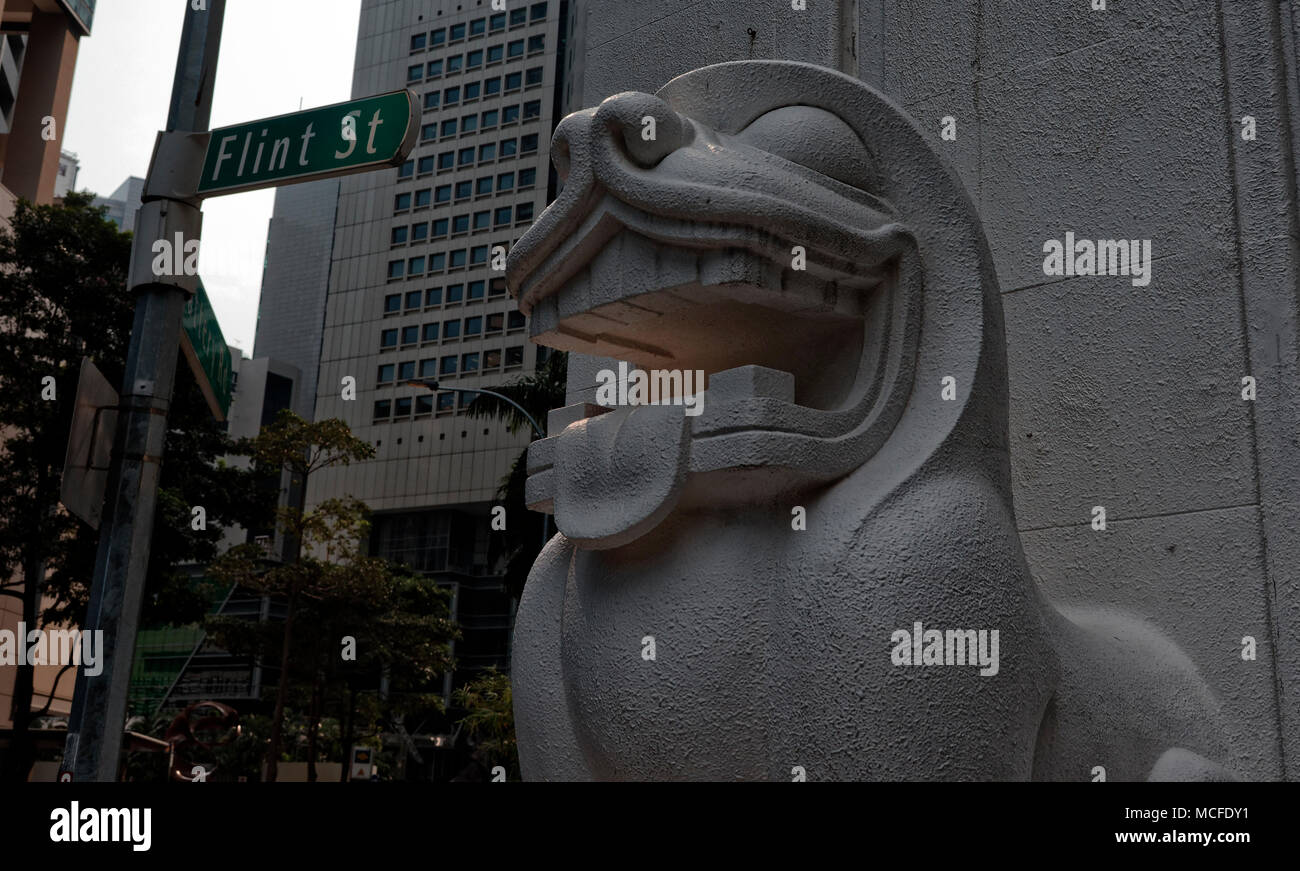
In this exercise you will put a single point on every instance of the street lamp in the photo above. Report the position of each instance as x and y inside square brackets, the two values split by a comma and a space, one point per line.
[430, 384]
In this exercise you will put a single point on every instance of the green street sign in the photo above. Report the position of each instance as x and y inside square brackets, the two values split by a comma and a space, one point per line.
[208, 355]
[355, 136]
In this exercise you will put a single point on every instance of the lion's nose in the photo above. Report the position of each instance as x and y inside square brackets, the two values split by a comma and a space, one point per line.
[649, 128]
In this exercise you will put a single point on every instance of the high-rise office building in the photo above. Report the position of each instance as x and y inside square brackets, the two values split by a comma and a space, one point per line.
[123, 203]
[412, 292]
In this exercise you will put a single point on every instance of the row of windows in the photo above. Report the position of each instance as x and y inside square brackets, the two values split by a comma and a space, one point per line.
[447, 367]
[476, 59]
[493, 87]
[466, 124]
[477, 27]
[417, 300]
[446, 161]
[458, 225]
[424, 334]
[463, 190]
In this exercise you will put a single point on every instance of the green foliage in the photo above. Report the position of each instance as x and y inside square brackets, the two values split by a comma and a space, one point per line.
[489, 720]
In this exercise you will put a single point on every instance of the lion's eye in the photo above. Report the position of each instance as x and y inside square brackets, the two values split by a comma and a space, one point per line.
[813, 138]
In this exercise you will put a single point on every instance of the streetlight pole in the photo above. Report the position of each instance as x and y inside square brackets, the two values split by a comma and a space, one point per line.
[537, 429]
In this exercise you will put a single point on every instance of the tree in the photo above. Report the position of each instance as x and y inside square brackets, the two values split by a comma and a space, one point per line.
[63, 296]
[396, 622]
[538, 393]
[489, 720]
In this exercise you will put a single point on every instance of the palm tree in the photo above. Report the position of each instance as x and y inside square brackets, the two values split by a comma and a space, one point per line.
[537, 393]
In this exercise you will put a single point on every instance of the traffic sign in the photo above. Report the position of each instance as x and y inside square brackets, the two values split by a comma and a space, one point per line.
[208, 355]
[355, 136]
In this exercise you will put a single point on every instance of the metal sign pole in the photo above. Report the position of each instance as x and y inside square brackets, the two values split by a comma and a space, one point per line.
[98, 715]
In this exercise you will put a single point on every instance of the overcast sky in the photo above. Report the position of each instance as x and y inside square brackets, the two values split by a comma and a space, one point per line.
[275, 56]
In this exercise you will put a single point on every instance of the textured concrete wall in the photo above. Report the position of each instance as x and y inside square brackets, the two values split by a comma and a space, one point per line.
[1121, 123]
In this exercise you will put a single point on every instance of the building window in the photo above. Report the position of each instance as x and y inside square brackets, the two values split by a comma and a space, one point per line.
[509, 115]
[410, 335]
[458, 259]
[478, 27]
[527, 177]
[423, 405]
[419, 232]
[455, 293]
[442, 194]
[495, 323]
[406, 170]
[496, 287]
[536, 43]
[527, 145]
[402, 202]
[509, 148]
[428, 132]
[431, 100]
[454, 63]
[469, 362]
[438, 37]
[496, 53]
[447, 366]
[474, 59]
[505, 181]
[433, 297]
[446, 161]
[478, 255]
[399, 235]
[448, 127]
[518, 17]
[403, 407]
[385, 374]
[532, 109]
[471, 91]
[502, 216]
[515, 321]
[476, 290]
[392, 303]
[474, 325]
[424, 197]
[497, 22]
[515, 49]
[524, 212]
[492, 87]
[419, 41]
[438, 262]
[469, 124]
[491, 360]
[413, 299]
[483, 186]
[533, 77]
[457, 32]
[460, 224]
[514, 81]
[427, 164]
[490, 118]
[466, 157]
[440, 228]
[451, 95]
[429, 367]
[515, 356]
[537, 11]
[406, 371]
[435, 68]
[383, 409]
[446, 401]
[483, 220]
[396, 268]
[388, 338]
[430, 333]
[487, 151]
[415, 73]
[464, 190]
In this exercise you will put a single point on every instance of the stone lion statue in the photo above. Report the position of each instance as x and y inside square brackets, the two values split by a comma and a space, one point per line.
[734, 594]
